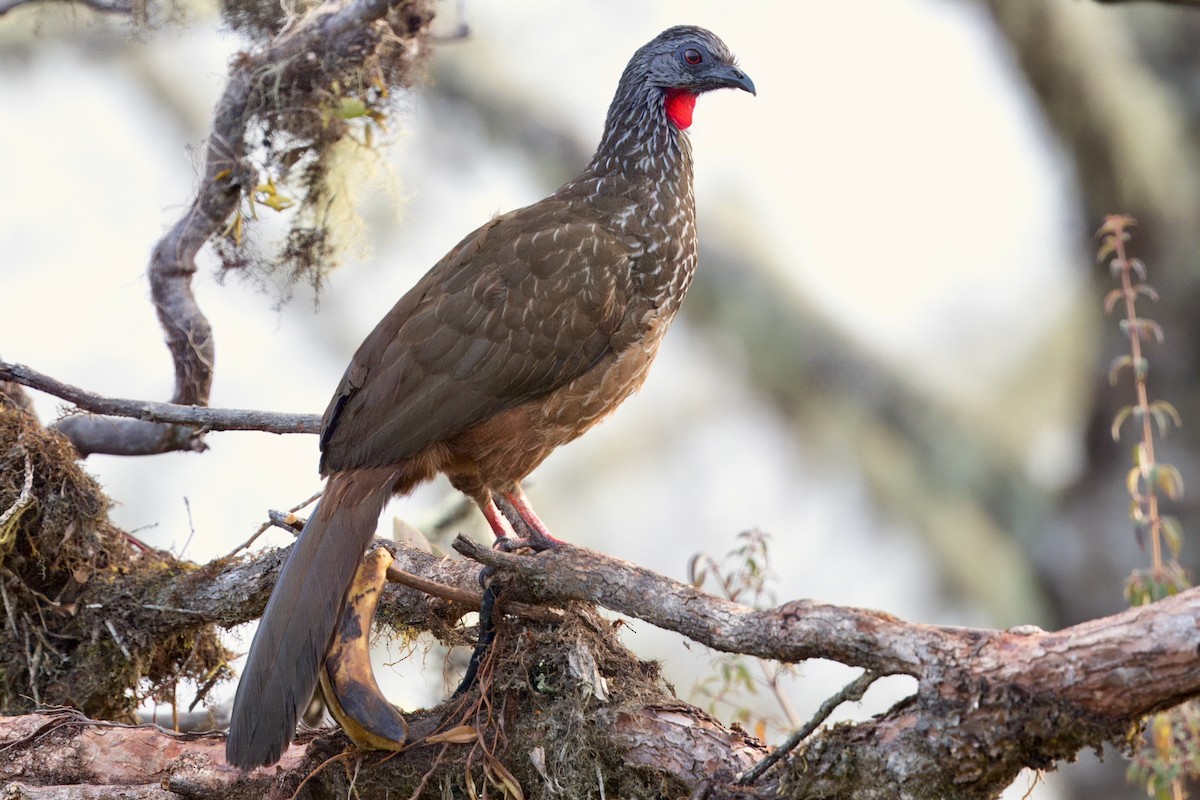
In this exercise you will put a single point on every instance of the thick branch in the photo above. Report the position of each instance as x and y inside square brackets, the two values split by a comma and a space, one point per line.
[988, 702]
[1127, 664]
[793, 632]
[210, 419]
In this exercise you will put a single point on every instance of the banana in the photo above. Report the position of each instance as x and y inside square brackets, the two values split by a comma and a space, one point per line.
[347, 679]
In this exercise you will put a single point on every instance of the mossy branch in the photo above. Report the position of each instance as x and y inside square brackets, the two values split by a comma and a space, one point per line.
[286, 80]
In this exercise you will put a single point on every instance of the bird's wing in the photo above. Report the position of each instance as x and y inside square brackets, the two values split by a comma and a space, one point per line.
[520, 307]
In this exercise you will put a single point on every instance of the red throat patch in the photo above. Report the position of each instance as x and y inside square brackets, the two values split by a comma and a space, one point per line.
[679, 104]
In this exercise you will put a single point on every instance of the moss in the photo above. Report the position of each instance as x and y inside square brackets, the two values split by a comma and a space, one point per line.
[72, 632]
[536, 715]
[300, 117]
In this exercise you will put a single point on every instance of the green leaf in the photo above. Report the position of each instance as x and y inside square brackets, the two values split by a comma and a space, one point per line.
[1140, 459]
[1131, 482]
[1136, 591]
[1164, 415]
[1172, 533]
[1111, 299]
[1114, 369]
[351, 107]
[1119, 420]
[1168, 479]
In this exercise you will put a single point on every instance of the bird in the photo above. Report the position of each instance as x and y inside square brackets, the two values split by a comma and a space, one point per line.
[531, 330]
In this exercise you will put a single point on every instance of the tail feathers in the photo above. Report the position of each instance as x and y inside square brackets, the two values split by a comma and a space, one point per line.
[297, 625]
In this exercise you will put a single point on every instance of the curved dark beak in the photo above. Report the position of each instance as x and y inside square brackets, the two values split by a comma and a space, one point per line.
[732, 77]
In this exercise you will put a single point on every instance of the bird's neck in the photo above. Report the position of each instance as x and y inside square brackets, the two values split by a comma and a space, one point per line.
[642, 144]
[641, 181]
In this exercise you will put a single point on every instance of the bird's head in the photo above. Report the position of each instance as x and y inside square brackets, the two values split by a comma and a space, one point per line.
[684, 62]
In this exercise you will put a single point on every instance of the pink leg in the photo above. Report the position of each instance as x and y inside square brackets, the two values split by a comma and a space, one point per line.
[501, 527]
[539, 537]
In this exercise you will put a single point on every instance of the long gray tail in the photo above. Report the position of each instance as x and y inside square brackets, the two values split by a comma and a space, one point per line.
[297, 625]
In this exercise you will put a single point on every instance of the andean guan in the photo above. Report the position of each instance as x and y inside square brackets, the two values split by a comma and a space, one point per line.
[531, 330]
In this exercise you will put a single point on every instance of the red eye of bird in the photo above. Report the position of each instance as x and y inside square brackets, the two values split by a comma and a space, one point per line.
[692, 56]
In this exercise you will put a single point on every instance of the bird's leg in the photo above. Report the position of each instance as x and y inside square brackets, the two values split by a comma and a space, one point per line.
[514, 522]
[517, 509]
[498, 521]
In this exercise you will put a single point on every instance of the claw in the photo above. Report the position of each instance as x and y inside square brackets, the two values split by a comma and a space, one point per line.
[347, 679]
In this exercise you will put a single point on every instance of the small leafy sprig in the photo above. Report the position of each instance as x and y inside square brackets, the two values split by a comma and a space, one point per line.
[1148, 478]
[743, 576]
[1168, 751]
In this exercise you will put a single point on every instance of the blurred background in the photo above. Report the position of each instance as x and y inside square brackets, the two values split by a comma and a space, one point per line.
[893, 361]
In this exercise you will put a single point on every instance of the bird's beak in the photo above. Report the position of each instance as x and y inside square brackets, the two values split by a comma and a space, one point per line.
[732, 77]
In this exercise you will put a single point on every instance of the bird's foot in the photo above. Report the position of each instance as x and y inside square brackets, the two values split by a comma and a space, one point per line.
[534, 540]
[528, 530]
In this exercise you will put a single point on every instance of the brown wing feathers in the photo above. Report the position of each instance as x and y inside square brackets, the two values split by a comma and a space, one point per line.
[516, 316]
[533, 328]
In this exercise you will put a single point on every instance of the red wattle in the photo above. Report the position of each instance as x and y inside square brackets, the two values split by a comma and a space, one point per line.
[679, 105]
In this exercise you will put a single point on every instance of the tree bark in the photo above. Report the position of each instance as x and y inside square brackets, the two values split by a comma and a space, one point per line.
[562, 698]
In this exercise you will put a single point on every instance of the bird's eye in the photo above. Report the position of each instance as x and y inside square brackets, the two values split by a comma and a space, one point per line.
[692, 56]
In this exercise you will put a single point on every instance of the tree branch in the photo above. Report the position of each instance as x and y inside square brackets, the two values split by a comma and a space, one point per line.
[988, 702]
[208, 419]
[114, 7]
[342, 32]
[1190, 3]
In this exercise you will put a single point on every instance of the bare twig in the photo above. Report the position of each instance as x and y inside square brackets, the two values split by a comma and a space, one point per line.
[468, 597]
[23, 501]
[114, 7]
[852, 691]
[197, 417]
[117, 638]
[277, 519]
[288, 521]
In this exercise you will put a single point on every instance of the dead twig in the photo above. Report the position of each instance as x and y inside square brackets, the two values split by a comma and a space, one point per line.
[852, 691]
[13, 513]
[199, 417]
[113, 7]
[277, 519]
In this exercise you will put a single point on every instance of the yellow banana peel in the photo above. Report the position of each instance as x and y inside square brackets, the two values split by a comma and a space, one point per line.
[347, 678]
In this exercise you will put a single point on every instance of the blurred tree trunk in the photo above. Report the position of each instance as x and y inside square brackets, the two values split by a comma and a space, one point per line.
[1117, 85]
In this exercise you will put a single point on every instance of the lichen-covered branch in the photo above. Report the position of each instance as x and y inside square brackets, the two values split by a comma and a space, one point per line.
[92, 620]
[283, 79]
